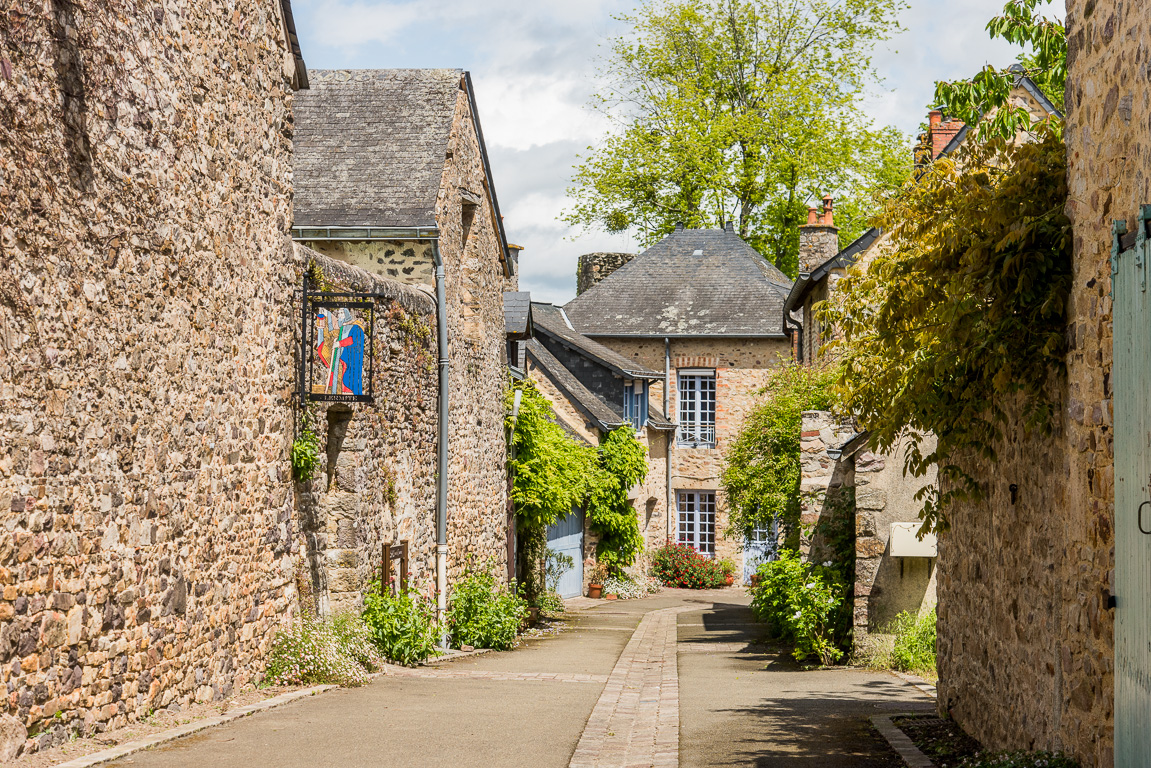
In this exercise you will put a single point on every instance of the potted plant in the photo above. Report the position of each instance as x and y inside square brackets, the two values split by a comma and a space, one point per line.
[728, 568]
[596, 580]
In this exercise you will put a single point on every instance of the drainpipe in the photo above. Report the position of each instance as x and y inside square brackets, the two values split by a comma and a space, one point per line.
[671, 434]
[442, 457]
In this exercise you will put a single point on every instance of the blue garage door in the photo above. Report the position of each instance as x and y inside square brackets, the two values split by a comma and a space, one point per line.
[566, 536]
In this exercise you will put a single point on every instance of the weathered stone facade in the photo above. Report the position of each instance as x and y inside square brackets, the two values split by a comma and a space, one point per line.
[594, 267]
[742, 367]
[376, 483]
[1026, 637]
[146, 361]
[476, 277]
[842, 478]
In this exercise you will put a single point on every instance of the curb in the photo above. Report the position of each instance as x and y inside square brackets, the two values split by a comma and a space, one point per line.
[900, 742]
[917, 681]
[163, 737]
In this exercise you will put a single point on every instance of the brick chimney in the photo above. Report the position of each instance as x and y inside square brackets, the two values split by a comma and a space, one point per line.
[819, 238]
[940, 132]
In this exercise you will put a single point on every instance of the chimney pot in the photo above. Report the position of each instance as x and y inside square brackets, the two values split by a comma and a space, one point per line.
[811, 214]
[679, 226]
[827, 212]
[935, 117]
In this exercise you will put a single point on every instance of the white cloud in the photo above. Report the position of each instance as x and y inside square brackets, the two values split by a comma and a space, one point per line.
[533, 65]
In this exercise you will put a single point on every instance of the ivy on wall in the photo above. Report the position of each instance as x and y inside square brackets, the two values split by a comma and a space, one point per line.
[554, 472]
[959, 328]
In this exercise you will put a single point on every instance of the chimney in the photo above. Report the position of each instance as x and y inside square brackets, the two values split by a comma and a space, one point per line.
[729, 227]
[679, 226]
[594, 267]
[941, 131]
[818, 239]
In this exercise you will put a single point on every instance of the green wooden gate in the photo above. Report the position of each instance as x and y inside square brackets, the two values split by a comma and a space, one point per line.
[1131, 385]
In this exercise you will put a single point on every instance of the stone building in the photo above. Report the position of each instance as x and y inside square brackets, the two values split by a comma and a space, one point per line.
[146, 356]
[390, 166]
[1033, 598]
[593, 390]
[706, 309]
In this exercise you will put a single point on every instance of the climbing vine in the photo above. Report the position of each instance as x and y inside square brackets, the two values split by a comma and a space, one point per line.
[761, 469]
[554, 472]
[305, 454]
[958, 328]
[623, 463]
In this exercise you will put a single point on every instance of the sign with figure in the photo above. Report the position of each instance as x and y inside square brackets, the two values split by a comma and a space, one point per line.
[337, 347]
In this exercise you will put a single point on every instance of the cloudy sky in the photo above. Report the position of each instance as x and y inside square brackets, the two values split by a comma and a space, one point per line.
[533, 65]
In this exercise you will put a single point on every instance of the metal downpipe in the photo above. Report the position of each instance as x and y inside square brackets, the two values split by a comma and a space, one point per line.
[442, 447]
[670, 435]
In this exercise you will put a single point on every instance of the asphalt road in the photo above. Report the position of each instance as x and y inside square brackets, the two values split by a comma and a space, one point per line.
[740, 702]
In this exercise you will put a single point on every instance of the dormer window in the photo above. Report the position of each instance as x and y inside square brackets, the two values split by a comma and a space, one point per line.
[635, 403]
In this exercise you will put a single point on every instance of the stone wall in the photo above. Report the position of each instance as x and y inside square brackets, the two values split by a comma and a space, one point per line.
[1033, 663]
[594, 267]
[145, 356]
[408, 262]
[478, 515]
[871, 490]
[376, 484]
[742, 367]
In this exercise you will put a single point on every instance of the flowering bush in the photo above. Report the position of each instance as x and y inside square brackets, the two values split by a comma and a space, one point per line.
[624, 589]
[483, 613]
[803, 604]
[677, 565]
[403, 627]
[1019, 760]
[317, 652]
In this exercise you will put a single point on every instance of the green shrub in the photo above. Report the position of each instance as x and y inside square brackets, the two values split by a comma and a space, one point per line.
[319, 652]
[803, 604]
[678, 565]
[1019, 760]
[914, 648]
[550, 602]
[403, 627]
[484, 614]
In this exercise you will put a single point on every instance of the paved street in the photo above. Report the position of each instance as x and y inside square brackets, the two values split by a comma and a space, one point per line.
[676, 679]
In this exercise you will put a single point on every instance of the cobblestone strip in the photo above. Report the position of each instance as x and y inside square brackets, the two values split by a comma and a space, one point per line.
[467, 674]
[636, 720]
[899, 741]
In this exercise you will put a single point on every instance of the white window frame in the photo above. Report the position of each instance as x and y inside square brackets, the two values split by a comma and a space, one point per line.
[696, 406]
[695, 520]
[635, 403]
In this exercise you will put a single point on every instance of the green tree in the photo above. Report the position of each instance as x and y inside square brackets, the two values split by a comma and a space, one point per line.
[741, 111]
[761, 469]
[1044, 61]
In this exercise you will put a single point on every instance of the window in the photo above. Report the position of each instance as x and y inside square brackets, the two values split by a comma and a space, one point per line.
[635, 403]
[696, 526]
[697, 408]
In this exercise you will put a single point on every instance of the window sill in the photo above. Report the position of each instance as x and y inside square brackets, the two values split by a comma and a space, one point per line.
[695, 445]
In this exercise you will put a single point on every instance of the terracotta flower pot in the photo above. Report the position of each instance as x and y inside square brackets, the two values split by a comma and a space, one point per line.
[594, 591]
[611, 597]
[755, 579]
[729, 579]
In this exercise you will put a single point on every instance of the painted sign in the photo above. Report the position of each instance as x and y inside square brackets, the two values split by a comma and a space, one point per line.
[337, 347]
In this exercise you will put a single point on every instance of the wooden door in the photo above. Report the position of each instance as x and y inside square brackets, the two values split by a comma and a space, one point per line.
[1131, 377]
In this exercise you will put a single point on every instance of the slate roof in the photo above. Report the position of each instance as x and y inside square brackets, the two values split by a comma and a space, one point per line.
[369, 146]
[694, 282]
[606, 416]
[549, 319]
[517, 313]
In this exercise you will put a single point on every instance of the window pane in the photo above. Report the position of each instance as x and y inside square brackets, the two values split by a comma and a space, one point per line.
[706, 521]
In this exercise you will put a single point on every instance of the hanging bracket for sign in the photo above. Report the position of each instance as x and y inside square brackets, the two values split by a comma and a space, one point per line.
[338, 357]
